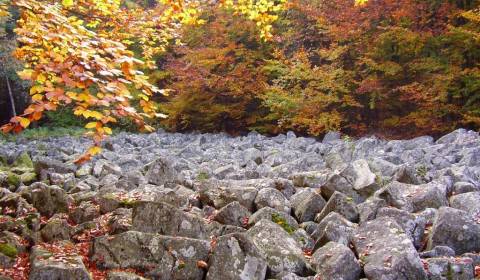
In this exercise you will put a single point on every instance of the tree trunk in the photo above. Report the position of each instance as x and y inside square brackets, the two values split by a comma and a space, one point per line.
[10, 94]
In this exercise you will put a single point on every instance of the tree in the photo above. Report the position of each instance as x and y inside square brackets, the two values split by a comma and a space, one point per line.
[89, 54]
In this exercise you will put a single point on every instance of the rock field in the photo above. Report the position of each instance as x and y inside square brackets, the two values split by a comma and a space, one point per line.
[209, 206]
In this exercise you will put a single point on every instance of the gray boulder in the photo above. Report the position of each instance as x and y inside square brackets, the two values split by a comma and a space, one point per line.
[45, 266]
[306, 204]
[47, 199]
[120, 275]
[162, 257]
[387, 252]
[450, 268]
[368, 209]
[468, 202]
[161, 171]
[456, 229]
[334, 227]
[413, 226]
[414, 198]
[233, 214]
[341, 204]
[219, 197]
[336, 261]
[235, 257]
[272, 215]
[282, 252]
[165, 219]
[269, 197]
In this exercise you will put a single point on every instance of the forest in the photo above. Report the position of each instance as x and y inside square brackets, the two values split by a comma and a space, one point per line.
[239, 139]
[390, 68]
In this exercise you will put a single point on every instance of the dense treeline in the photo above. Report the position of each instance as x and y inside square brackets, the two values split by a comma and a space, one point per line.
[396, 68]
[393, 68]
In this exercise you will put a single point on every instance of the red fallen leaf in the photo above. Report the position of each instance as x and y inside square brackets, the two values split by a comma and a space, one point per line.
[245, 221]
[202, 264]
[477, 271]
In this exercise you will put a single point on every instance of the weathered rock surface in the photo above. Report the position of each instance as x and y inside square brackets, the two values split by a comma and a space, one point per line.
[236, 257]
[456, 229]
[163, 257]
[282, 252]
[209, 206]
[387, 252]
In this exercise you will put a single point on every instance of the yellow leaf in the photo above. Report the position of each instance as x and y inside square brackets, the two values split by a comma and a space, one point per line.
[24, 122]
[91, 125]
[107, 130]
[94, 150]
[67, 3]
[41, 78]
[25, 74]
[37, 97]
[36, 89]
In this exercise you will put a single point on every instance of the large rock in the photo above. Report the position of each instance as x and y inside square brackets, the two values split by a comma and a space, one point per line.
[414, 198]
[311, 179]
[162, 257]
[306, 204]
[450, 268]
[413, 225]
[46, 266]
[282, 252]
[387, 252]
[269, 197]
[161, 171]
[219, 197]
[47, 199]
[456, 229]
[341, 204]
[233, 214]
[334, 227]
[336, 261]
[236, 257]
[273, 215]
[468, 202]
[165, 219]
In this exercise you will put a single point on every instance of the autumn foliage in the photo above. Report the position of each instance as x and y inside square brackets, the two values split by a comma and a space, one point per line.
[396, 68]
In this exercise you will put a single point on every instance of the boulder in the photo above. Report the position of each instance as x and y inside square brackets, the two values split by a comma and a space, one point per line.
[274, 215]
[162, 257]
[311, 179]
[46, 266]
[468, 202]
[236, 257]
[282, 252]
[57, 228]
[334, 227]
[456, 229]
[306, 204]
[219, 197]
[269, 197]
[387, 252]
[412, 225]
[48, 200]
[341, 204]
[233, 214]
[335, 261]
[450, 268]
[414, 198]
[161, 171]
[85, 212]
[165, 219]
[368, 209]
[120, 275]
